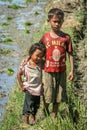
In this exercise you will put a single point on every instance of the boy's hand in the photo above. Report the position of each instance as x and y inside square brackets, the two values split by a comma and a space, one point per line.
[24, 61]
[70, 76]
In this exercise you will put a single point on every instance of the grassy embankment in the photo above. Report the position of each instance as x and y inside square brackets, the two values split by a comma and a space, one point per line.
[13, 117]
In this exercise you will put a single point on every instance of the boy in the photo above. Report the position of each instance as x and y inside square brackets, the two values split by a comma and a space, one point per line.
[57, 44]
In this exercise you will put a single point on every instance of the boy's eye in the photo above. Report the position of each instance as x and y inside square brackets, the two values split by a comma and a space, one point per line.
[57, 22]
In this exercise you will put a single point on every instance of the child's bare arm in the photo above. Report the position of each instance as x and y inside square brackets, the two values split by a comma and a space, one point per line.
[19, 77]
[71, 74]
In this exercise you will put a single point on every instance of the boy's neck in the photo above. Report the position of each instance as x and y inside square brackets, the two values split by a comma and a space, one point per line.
[54, 34]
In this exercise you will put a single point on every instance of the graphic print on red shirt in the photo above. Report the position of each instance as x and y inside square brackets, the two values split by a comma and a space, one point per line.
[56, 49]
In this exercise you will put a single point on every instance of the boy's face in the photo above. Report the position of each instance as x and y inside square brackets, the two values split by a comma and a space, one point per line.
[55, 23]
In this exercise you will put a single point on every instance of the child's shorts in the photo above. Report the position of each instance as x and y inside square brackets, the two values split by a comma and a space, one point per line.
[54, 87]
[31, 104]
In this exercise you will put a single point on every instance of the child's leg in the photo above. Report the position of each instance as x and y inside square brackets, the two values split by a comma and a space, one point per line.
[35, 106]
[32, 117]
[26, 120]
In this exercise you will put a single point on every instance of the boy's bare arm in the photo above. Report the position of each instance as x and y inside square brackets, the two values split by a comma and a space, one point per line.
[71, 74]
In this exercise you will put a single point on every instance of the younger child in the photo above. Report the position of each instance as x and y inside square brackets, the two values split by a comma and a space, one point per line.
[32, 83]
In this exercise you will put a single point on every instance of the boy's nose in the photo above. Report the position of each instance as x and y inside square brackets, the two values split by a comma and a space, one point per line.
[57, 24]
[39, 58]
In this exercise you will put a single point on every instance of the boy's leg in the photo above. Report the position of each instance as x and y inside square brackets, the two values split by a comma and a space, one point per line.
[46, 108]
[47, 96]
[55, 109]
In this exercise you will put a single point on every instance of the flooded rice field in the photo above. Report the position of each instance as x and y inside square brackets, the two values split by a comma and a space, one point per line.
[18, 23]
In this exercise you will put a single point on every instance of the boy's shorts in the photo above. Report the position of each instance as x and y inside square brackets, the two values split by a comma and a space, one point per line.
[54, 87]
[31, 104]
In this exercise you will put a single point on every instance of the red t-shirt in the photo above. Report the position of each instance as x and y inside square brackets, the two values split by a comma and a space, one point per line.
[56, 49]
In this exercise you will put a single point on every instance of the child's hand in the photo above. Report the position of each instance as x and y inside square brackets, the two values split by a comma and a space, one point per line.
[24, 61]
[23, 89]
[70, 76]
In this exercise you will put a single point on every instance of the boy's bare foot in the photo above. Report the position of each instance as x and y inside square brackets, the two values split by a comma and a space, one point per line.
[53, 115]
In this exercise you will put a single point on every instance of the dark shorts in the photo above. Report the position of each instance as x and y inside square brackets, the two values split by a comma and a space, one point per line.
[54, 87]
[31, 104]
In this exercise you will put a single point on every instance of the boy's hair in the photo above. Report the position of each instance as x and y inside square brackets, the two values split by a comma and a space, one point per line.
[36, 46]
[55, 12]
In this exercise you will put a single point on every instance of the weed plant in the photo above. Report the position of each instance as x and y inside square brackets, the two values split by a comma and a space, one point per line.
[28, 23]
[4, 24]
[6, 40]
[9, 18]
[27, 31]
[14, 6]
[5, 51]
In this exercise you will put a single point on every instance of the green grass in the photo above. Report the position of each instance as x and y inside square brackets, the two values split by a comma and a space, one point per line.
[5, 51]
[13, 116]
[27, 1]
[14, 6]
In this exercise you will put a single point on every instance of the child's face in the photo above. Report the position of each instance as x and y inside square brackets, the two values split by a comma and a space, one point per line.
[36, 57]
[56, 23]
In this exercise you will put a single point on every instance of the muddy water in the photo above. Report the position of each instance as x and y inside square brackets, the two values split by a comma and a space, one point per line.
[20, 43]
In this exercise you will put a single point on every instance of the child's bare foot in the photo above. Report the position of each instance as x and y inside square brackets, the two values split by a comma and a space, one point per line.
[32, 119]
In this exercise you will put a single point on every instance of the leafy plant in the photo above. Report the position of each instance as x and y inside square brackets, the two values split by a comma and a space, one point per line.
[7, 40]
[4, 51]
[27, 31]
[9, 71]
[28, 23]
[36, 13]
[14, 6]
[9, 18]
[27, 1]
[4, 24]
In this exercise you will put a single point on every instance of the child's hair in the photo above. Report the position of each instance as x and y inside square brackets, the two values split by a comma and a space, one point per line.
[36, 46]
[55, 12]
